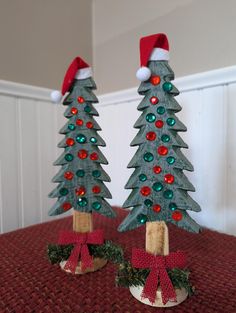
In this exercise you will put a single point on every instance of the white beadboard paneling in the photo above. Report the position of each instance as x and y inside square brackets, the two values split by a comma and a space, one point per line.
[46, 151]
[8, 156]
[230, 214]
[1, 204]
[24, 91]
[204, 113]
[30, 161]
[19, 168]
[118, 134]
[213, 158]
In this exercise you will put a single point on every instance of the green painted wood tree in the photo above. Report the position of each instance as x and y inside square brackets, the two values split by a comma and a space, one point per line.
[158, 183]
[81, 176]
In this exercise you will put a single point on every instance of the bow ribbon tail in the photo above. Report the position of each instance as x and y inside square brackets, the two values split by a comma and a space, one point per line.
[150, 288]
[167, 289]
[86, 258]
[72, 262]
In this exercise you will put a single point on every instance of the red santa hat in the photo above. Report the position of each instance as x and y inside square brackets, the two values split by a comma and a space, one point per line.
[78, 69]
[152, 48]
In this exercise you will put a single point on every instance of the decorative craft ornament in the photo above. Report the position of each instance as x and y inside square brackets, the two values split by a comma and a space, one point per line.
[159, 186]
[80, 179]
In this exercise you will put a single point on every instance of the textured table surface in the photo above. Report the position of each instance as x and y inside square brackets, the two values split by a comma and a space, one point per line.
[28, 283]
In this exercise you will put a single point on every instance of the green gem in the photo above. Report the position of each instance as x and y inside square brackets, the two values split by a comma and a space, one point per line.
[81, 138]
[172, 206]
[80, 173]
[142, 177]
[168, 194]
[96, 206]
[165, 138]
[93, 140]
[96, 173]
[148, 203]
[71, 127]
[157, 186]
[161, 110]
[167, 86]
[170, 160]
[63, 191]
[142, 218]
[82, 202]
[150, 117]
[87, 109]
[148, 157]
[170, 121]
[69, 157]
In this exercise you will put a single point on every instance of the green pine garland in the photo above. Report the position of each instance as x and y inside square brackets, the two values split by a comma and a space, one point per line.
[108, 251]
[129, 276]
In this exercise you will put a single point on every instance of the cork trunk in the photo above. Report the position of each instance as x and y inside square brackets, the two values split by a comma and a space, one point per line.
[157, 239]
[82, 222]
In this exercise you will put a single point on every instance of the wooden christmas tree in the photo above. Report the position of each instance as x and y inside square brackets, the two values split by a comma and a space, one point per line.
[81, 177]
[159, 186]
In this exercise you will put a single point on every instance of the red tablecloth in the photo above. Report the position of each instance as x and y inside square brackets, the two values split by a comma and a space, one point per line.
[29, 283]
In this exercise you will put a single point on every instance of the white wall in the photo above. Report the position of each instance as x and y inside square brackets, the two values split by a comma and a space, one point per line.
[29, 126]
[201, 35]
[39, 39]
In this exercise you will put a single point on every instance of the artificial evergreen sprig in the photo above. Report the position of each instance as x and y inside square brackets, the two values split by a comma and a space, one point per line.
[128, 276]
[109, 251]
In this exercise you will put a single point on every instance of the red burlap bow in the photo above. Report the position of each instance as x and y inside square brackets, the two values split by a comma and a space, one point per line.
[158, 265]
[80, 241]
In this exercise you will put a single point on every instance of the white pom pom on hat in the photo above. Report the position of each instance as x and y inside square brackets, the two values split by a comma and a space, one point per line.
[152, 48]
[56, 96]
[78, 69]
[143, 73]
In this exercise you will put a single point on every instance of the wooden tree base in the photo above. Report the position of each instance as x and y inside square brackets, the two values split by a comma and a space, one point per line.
[181, 295]
[97, 264]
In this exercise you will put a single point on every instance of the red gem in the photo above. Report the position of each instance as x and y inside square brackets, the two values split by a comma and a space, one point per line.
[159, 123]
[80, 99]
[89, 125]
[74, 111]
[68, 175]
[96, 189]
[162, 150]
[156, 208]
[155, 80]
[66, 206]
[151, 136]
[81, 191]
[169, 179]
[94, 156]
[154, 100]
[79, 122]
[177, 216]
[70, 141]
[82, 154]
[145, 191]
[157, 169]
